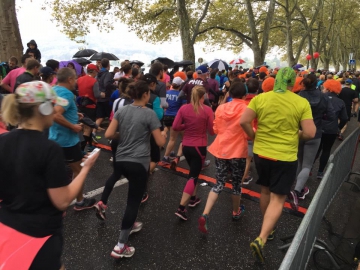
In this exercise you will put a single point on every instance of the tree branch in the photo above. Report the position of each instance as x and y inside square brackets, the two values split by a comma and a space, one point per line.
[197, 26]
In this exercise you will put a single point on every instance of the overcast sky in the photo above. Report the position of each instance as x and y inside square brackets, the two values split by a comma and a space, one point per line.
[35, 24]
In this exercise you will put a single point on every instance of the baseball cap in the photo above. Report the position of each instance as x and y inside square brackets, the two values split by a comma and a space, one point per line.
[149, 78]
[38, 92]
[202, 69]
[178, 81]
[348, 81]
[92, 67]
[47, 71]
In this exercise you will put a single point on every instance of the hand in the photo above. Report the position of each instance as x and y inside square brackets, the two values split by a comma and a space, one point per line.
[164, 134]
[80, 115]
[77, 128]
[102, 95]
[100, 129]
[89, 161]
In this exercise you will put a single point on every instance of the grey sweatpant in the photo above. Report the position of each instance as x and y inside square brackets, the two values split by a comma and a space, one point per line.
[306, 156]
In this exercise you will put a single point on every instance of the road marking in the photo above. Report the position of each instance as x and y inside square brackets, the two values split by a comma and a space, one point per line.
[100, 190]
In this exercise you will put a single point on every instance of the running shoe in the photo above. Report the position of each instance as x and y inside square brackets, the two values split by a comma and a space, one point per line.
[257, 246]
[247, 180]
[172, 154]
[126, 252]
[164, 161]
[85, 204]
[145, 197]
[111, 159]
[320, 175]
[305, 191]
[94, 138]
[237, 215]
[341, 137]
[206, 164]
[272, 235]
[181, 214]
[195, 202]
[294, 201]
[100, 208]
[136, 227]
[174, 163]
[90, 148]
[203, 220]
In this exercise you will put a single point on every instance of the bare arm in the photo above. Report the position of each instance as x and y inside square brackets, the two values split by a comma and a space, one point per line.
[308, 129]
[246, 122]
[112, 131]
[63, 196]
[60, 119]
[6, 87]
[159, 138]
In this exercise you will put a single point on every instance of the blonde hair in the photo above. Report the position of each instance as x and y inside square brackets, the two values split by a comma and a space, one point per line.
[196, 94]
[13, 112]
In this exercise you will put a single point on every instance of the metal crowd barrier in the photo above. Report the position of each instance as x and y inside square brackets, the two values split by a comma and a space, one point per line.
[338, 170]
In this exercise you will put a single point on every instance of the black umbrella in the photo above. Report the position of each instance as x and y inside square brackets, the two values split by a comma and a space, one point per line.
[136, 62]
[184, 63]
[84, 53]
[165, 61]
[219, 64]
[101, 55]
[82, 61]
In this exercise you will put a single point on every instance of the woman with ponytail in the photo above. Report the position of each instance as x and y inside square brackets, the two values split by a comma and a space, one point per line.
[321, 108]
[132, 125]
[196, 120]
[34, 189]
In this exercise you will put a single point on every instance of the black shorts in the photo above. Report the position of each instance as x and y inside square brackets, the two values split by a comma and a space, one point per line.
[168, 120]
[103, 109]
[49, 256]
[278, 176]
[89, 112]
[73, 154]
[154, 150]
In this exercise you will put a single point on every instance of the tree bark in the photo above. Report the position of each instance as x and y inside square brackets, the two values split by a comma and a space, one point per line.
[184, 26]
[10, 39]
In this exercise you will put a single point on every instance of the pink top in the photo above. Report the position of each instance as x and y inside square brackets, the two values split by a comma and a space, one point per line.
[2, 128]
[194, 125]
[10, 79]
[54, 81]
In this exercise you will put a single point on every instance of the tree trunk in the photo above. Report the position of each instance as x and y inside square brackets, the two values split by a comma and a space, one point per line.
[184, 26]
[327, 63]
[289, 42]
[10, 39]
[259, 58]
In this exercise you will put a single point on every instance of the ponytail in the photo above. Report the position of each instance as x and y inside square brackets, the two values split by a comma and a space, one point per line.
[10, 110]
[196, 94]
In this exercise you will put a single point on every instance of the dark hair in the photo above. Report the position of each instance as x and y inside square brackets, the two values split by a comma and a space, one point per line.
[175, 68]
[237, 90]
[14, 59]
[187, 69]
[213, 74]
[262, 75]
[248, 75]
[309, 81]
[24, 57]
[123, 83]
[64, 74]
[71, 64]
[230, 68]
[32, 64]
[52, 64]
[253, 85]
[105, 62]
[189, 74]
[156, 68]
[136, 89]
[166, 67]
[126, 68]
[134, 72]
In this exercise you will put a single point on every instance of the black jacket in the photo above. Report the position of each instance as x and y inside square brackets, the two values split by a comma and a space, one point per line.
[332, 127]
[24, 78]
[106, 84]
[36, 51]
[321, 108]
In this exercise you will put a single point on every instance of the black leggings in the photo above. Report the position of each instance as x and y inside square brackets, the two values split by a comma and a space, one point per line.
[327, 141]
[195, 157]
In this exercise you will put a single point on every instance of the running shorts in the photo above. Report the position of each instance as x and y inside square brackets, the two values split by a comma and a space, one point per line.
[89, 112]
[154, 150]
[103, 109]
[168, 120]
[73, 154]
[278, 176]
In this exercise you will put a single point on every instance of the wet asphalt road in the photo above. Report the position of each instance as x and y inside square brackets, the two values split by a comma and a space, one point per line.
[165, 242]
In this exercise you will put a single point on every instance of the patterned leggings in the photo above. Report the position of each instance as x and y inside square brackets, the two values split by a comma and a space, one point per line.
[223, 166]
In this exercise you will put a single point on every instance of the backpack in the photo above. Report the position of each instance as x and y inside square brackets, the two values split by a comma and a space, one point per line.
[4, 69]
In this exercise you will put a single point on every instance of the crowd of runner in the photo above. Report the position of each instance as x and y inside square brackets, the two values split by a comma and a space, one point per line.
[282, 119]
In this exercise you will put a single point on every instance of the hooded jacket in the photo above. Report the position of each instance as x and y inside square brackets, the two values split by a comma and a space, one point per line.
[36, 51]
[231, 140]
[321, 108]
[106, 80]
[332, 127]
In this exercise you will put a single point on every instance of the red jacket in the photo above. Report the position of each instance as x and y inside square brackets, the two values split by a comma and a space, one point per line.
[85, 86]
